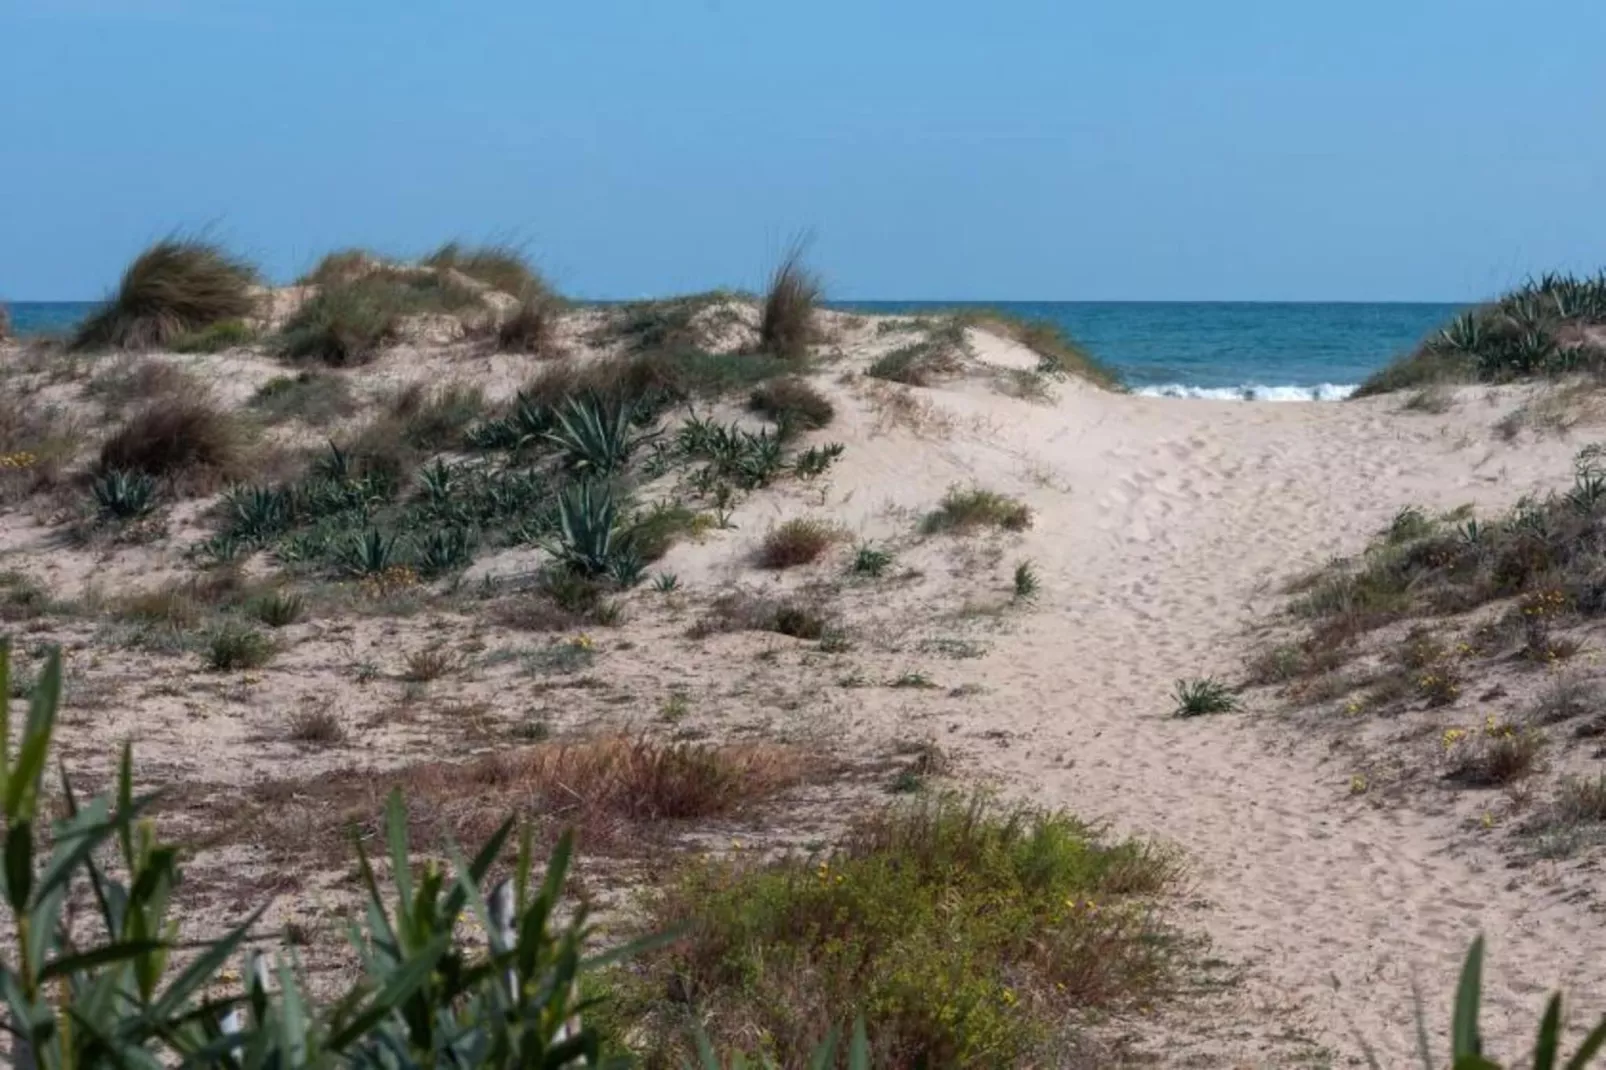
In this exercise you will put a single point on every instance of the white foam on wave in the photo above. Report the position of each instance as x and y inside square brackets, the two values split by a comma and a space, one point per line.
[1252, 392]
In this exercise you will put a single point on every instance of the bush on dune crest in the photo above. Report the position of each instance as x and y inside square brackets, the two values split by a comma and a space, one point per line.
[1057, 353]
[786, 326]
[1539, 330]
[501, 267]
[174, 288]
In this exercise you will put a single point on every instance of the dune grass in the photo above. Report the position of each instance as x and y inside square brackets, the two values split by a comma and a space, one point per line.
[786, 324]
[799, 541]
[5, 322]
[501, 267]
[175, 436]
[315, 398]
[1057, 353]
[531, 327]
[973, 931]
[793, 404]
[172, 289]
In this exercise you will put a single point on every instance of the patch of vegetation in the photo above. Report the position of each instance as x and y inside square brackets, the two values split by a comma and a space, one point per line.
[667, 325]
[174, 288]
[745, 611]
[1201, 696]
[799, 541]
[1027, 582]
[176, 436]
[121, 495]
[786, 324]
[436, 419]
[975, 932]
[348, 321]
[317, 727]
[501, 267]
[963, 511]
[793, 404]
[220, 336]
[315, 398]
[939, 354]
[1539, 330]
[531, 327]
[23, 598]
[1058, 356]
[234, 647]
[1496, 755]
[871, 561]
[279, 609]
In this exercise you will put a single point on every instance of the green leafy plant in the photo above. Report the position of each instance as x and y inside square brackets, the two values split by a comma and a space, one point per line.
[965, 510]
[665, 582]
[446, 550]
[1027, 583]
[123, 495]
[1200, 696]
[596, 438]
[279, 609]
[871, 561]
[370, 553]
[588, 520]
[815, 460]
[235, 647]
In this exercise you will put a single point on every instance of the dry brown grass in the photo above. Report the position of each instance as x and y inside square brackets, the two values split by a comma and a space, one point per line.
[793, 404]
[432, 663]
[799, 541]
[501, 267]
[531, 328]
[130, 380]
[38, 442]
[316, 727]
[177, 437]
[745, 611]
[620, 792]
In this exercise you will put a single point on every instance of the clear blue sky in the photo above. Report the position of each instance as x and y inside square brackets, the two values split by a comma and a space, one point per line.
[1032, 149]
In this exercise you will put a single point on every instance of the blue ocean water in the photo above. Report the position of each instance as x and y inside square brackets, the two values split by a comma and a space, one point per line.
[1282, 351]
[1264, 351]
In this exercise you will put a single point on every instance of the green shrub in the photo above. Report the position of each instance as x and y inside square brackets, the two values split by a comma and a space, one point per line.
[964, 511]
[349, 320]
[871, 561]
[939, 354]
[1197, 697]
[1027, 583]
[175, 435]
[174, 288]
[972, 930]
[121, 495]
[234, 647]
[279, 609]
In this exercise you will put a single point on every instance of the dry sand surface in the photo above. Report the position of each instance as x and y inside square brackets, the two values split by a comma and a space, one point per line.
[1164, 531]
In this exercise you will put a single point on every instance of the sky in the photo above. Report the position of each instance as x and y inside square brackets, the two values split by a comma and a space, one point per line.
[1013, 149]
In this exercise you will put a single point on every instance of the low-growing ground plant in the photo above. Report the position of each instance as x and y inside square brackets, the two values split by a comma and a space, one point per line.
[174, 288]
[963, 511]
[1497, 754]
[315, 398]
[234, 646]
[122, 495]
[799, 541]
[1202, 695]
[278, 609]
[938, 355]
[428, 664]
[872, 561]
[739, 611]
[793, 404]
[216, 338]
[974, 929]
[1027, 582]
[318, 727]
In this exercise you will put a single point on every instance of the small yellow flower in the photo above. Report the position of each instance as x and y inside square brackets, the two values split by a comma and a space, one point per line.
[1488, 820]
[1357, 785]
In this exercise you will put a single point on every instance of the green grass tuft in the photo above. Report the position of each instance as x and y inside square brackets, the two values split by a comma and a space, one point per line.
[786, 326]
[964, 511]
[1195, 698]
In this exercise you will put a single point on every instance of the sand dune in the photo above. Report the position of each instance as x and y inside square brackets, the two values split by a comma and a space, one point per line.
[1164, 530]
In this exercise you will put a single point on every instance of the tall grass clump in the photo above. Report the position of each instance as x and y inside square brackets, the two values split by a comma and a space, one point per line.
[786, 325]
[793, 404]
[351, 318]
[173, 288]
[531, 327]
[974, 931]
[175, 436]
[799, 541]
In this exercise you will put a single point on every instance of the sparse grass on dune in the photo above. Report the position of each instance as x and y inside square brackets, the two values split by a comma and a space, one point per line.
[620, 792]
[1058, 354]
[501, 267]
[531, 328]
[1539, 330]
[963, 511]
[974, 932]
[342, 265]
[172, 289]
[350, 319]
[741, 611]
[669, 324]
[939, 354]
[5, 322]
[787, 323]
[217, 338]
[315, 398]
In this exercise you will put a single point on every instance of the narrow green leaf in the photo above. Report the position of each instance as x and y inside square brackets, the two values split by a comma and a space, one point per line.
[100, 956]
[22, 786]
[859, 1049]
[825, 1053]
[1549, 1040]
[205, 966]
[19, 864]
[487, 856]
[5, 715]
[396, 989]
[396, 835]
[1590, 1048]
[292, 1014]
[1464, 1038]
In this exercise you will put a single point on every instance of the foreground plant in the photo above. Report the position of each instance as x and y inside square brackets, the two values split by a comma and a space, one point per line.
[174, 288]
[1194, 698]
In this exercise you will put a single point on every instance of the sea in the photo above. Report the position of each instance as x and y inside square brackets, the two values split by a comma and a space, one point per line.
[1306, 351]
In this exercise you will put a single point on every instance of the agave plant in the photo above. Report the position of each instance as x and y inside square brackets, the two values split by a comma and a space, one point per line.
[588, 520]
[596, 438]
[258, 513]
[437, 481]
[124, 495]
[446, 550]
[370, 553]
[1465, 334]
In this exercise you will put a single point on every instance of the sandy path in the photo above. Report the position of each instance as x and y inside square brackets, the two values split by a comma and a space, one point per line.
[1177, 520]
